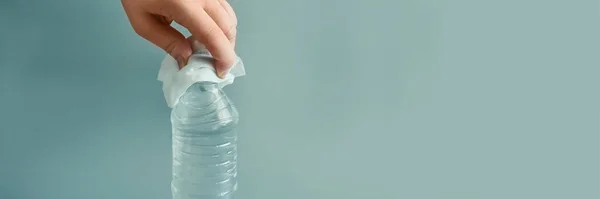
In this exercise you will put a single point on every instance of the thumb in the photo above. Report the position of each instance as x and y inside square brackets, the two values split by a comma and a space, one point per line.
[159, 31]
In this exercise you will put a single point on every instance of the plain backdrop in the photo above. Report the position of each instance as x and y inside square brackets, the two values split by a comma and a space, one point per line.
[344, 99]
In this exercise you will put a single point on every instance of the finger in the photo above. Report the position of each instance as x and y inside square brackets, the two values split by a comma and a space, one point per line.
[223, 19]
[228, 9]
[202, 27]
[158, 31]
[231, 13]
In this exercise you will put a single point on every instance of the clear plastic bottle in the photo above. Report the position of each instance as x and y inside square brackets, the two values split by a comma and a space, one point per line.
[204, 144]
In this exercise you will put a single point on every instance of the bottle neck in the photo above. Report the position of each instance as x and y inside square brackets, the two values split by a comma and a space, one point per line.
[205, 86]
[202, 94]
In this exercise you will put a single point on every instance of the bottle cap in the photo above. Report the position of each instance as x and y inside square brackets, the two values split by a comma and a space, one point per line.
[199, 69]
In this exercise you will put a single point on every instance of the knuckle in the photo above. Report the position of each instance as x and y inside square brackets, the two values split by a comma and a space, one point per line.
[140, 30]
[170, 47]
[188, 4]
[211, 33]
[231, 32]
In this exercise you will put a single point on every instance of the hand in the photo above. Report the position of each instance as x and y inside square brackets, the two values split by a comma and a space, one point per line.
[212, 22]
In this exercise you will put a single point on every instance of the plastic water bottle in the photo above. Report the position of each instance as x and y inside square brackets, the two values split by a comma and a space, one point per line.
[204, 144]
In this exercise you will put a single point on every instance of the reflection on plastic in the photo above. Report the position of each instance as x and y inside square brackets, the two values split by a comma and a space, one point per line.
[204, 144]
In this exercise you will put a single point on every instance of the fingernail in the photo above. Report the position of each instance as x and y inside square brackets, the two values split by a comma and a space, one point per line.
[221, 74]
[180, 62]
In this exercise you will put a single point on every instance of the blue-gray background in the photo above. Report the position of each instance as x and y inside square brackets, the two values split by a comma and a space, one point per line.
[372, 99]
